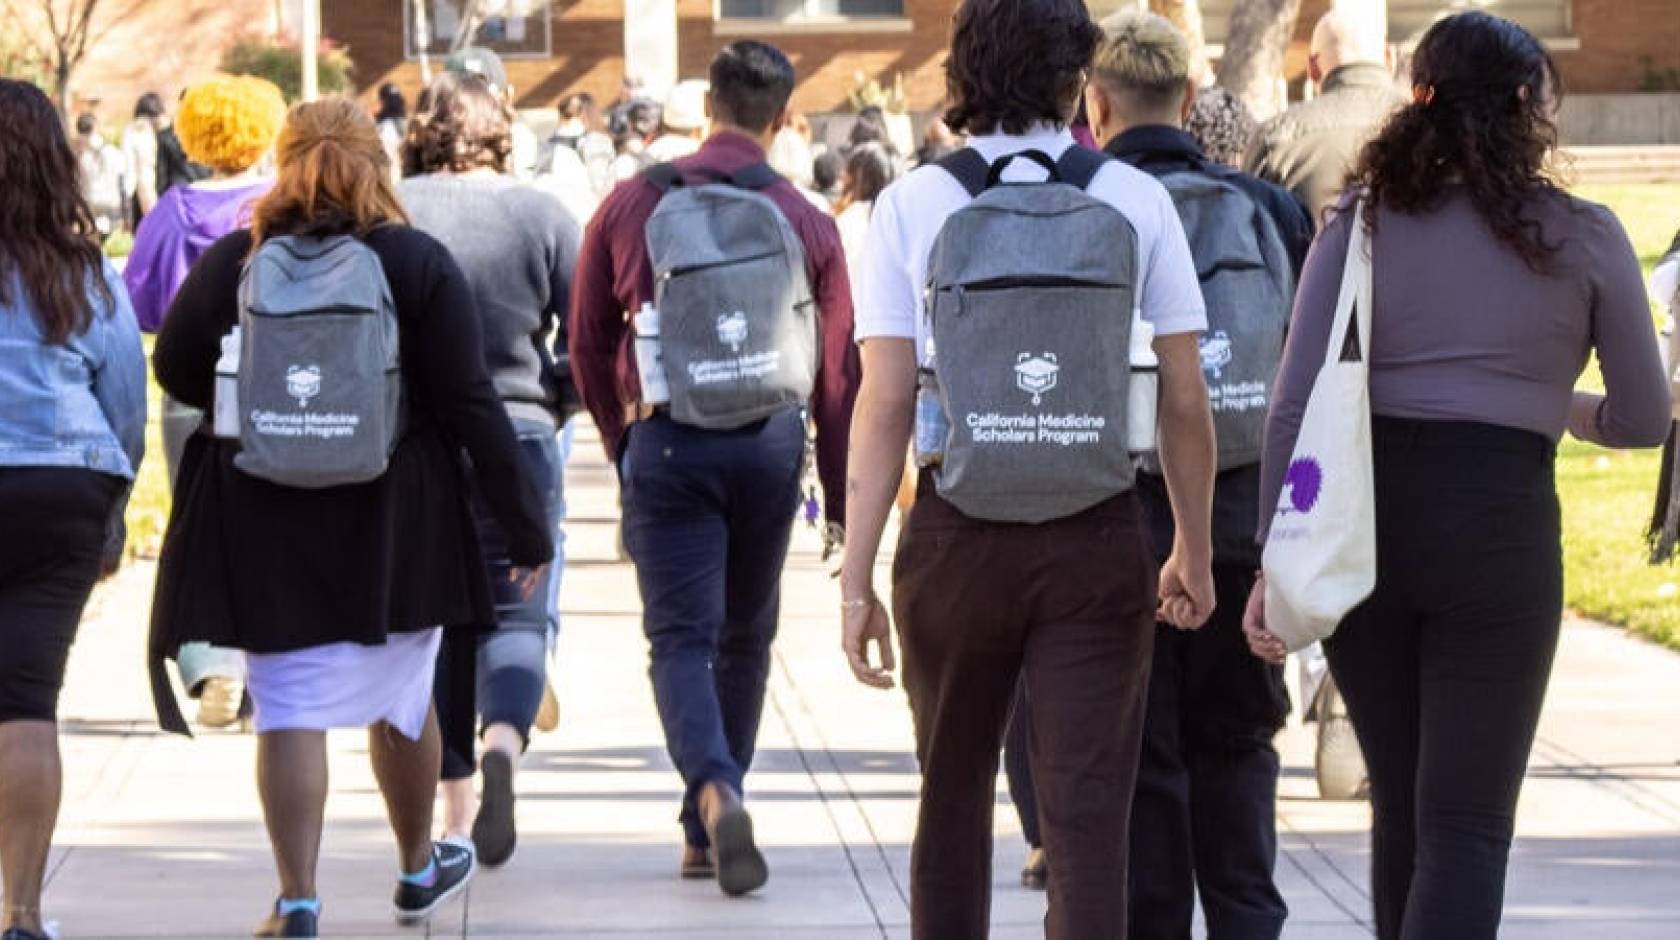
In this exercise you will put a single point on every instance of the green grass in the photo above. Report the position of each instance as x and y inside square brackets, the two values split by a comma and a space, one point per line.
[1606, 495]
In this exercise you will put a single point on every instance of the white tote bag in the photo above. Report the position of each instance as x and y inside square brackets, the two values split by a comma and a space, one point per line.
[1321, 557]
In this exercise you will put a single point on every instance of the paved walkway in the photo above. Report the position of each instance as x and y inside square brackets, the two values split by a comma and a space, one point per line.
[162, 836]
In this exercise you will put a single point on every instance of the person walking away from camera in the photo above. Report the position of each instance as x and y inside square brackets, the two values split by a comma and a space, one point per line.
[392, 120]
[1310, 148]
[228, 123]
[710, 465]
[72, 434]
[334, 574]
[1664, 532]
[1026, 552]
[580, 132]
[1492, 288]
[682, 122]
[1204, 818]
[174, 166]
[477, 60]
[104, 175]
[518, 249]
[870, 169]
[633, 128]
[140, 152]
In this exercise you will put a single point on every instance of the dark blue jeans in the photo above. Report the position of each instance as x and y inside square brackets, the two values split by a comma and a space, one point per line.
[512, 660]
[707, 520]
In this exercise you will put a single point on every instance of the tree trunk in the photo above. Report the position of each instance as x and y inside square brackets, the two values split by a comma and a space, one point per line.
[1187, 16]
[62, 70]
[1255, 45]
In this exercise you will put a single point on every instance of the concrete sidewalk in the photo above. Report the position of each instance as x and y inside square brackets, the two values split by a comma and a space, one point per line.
[163, 837]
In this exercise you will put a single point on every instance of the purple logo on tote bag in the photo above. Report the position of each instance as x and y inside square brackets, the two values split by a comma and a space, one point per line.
[1304, 482]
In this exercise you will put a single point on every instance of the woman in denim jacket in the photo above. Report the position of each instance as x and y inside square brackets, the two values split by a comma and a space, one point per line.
[72, 432]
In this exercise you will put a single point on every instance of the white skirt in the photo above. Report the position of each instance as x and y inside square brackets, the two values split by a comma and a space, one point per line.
[346, 685]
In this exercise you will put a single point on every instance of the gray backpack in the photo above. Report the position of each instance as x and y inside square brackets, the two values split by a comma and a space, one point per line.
[320, 392]
[737, 324]
[1248, 286]
[1031, 289]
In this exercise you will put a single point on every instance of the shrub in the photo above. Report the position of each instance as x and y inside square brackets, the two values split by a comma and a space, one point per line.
[279, 61]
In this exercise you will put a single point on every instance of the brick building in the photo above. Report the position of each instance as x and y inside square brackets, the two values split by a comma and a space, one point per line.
[555, 46]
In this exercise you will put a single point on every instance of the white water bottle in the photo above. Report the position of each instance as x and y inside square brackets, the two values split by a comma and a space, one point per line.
[1144, 390]
[224, 419]
[650, 357]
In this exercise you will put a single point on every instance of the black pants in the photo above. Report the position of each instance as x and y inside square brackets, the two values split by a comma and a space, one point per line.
[1204, 819]
[1445, 668]
[1069, 605]
[55, 527]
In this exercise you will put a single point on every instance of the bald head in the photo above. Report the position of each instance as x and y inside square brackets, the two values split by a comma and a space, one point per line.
[1343, 38]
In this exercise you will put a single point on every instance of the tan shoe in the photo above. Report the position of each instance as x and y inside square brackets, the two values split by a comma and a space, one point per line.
[219, 701]
[740, 866]
[697, 863]
[548, 713]
[1035, 874]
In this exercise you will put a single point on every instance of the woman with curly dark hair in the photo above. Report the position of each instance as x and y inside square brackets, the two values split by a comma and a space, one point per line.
[72, 431]
[1492, 288]
[518, 248]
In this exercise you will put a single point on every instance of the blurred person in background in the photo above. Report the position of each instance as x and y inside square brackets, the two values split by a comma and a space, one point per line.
[104, 174]
[633, 128]
[140, 150]
[580, 131]
[682, 122]
[392, 120]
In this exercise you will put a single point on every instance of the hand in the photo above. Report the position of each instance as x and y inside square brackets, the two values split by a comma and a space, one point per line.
[1262, 642]
[1186, 592]
[865, 621]
[526, 580]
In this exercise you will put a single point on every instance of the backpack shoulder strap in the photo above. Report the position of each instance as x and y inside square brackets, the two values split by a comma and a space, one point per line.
[664, 176]
[967, 167]
[758, 176]
[1080, 165]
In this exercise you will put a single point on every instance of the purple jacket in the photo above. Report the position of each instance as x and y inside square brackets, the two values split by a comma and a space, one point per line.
[185, 222]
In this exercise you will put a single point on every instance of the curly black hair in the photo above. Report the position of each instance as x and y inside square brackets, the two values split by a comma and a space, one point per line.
[1016, 63]
[1485, 93]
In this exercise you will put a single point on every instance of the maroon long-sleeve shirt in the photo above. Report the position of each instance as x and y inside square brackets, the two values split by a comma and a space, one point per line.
[614, 277]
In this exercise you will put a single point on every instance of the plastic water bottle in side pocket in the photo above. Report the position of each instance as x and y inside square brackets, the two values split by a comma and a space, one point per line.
[650, 358]
[1142, 399]
[932, 424]
[224, 419]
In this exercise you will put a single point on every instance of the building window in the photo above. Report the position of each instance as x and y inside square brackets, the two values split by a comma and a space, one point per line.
[794, 11]
[1407, 19]
[514, 29]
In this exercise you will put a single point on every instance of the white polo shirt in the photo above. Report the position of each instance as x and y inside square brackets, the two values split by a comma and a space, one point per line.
[891, 275]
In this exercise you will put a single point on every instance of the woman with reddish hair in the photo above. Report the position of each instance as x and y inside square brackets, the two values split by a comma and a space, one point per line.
[337, 595]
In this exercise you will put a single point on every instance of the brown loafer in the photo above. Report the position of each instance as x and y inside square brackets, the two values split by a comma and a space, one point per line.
[741, 868]
[697, 864]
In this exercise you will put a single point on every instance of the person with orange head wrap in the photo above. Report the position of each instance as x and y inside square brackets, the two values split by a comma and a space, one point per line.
[227, 123]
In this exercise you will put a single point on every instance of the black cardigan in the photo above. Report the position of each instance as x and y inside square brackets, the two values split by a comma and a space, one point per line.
[264, 568]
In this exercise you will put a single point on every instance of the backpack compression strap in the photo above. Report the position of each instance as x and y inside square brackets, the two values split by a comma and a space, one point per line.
[758, 176]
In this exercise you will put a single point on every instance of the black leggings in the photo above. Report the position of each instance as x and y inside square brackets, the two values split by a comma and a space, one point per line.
[55, 521]
[1445, 667]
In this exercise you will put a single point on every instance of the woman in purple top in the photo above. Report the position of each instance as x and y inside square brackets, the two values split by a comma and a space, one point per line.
[1492, 288]
[227, 123]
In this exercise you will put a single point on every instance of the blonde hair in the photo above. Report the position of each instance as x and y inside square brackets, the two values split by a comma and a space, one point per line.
[1143, 55]
[228, 122]
[334, 176]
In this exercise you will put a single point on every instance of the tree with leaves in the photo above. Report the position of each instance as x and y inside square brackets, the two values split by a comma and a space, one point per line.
[65, 32]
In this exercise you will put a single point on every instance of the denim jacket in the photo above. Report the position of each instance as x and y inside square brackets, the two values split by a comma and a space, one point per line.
[81, 404]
